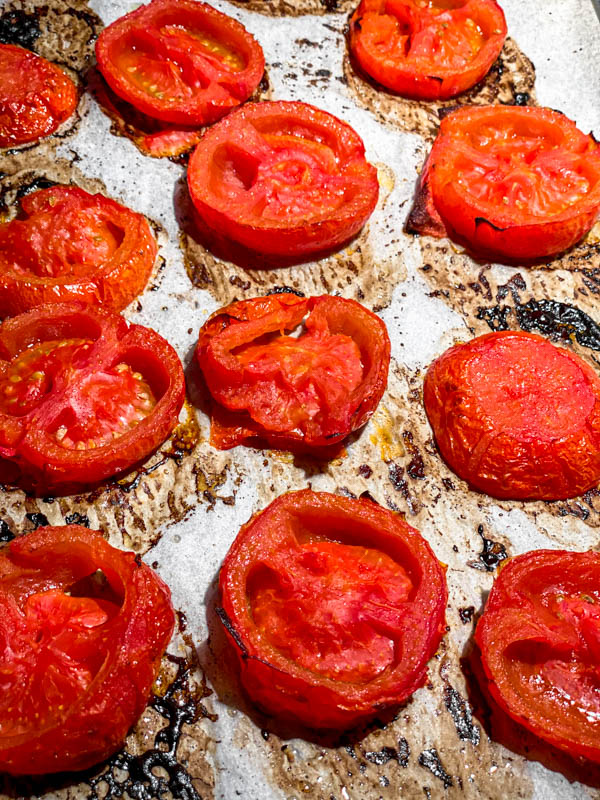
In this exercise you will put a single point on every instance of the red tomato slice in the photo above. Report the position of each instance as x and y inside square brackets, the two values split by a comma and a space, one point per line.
[82, 631]
[35, 96]
[509, 182]
[283, 179]
[83, 396]
[304, 392]
[539, 638]
[427, 49]
[180, 61]
[516, 416]
[71, 245]
[334, 607]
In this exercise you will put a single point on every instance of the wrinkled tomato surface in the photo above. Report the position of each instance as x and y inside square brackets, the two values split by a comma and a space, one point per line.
[298, 373]
[509, 182]
[83, 396]
[334, 607]
[36, 96]
[180, 61]
[427, 49]
[283, 179]
[71, 245]
[516, 416]
[539, 638]
[82, 631]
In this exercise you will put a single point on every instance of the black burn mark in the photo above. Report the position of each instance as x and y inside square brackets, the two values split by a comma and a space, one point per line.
[397, 480]
[386, 754]
[34, 185]
[430, 760]
[37, 519]
[460, 711]
[19, 27]
[77, 519]
[285, 290]
[6, 535]
[491, 555]
[466, 614]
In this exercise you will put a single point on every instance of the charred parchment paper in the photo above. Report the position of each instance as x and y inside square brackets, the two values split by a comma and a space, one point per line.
[199, 736]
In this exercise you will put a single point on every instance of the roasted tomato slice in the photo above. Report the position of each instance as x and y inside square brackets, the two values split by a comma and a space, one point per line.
[539, 638]
[427, 49]
[509, 182]
[83, 396]
[516, 416]
[334, 607]
[283, 179]
[82, 631]
[71, 245]
[180, 61]
[36, 96]
[303, 392]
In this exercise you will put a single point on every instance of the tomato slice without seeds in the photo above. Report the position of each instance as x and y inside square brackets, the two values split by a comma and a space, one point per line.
[35, 96]
[427, 49]
[540, 643]
[71, 245]
[303, 392]
[82, 632]
[282, 179]
[334, 606]
[83, 396]
[516, 416]
[509, 182]
[180, 61]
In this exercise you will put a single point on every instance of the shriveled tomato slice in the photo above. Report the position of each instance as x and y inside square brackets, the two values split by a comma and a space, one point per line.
[516, 416]
[509, 182]
[82, 631]
[71, 245]
[427, 49]
[334, 606]
[180, 61]
[539, 638]
[283, 179]
[36, 96]
[302, 392]
[83, 396]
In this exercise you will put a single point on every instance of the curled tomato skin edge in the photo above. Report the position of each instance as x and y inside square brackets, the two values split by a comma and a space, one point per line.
[284, 687]
[514, 610]
[81, 735]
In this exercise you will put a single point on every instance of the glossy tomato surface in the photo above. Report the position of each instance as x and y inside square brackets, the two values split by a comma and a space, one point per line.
[71, 245]
[509, 182]
[83, 396]
[334, 607]
[516, 416]
[539, 638]
[302, 392]
[82, 631]
[427, 49]
[180, 61]
[283, 179]
[36, 96]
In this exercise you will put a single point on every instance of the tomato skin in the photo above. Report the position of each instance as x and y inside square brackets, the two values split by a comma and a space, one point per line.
[528, 185]
[400, 43]
[293, 537]
[284, 179]
[516, 416]
[163, 40]
[337, 369]
[108, 659]
[36, 96]
[538, 638]
[32, 454]
[51, 255]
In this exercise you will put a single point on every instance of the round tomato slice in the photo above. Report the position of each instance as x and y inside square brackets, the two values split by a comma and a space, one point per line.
[509, 182]
[180, 61]
[83, 396]
[334, 607]
[539, 638]
[427, 49]
[71, 245]
[282, 179]
[307, 391]
[82, 632]
[35, 96]
[516, 416]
